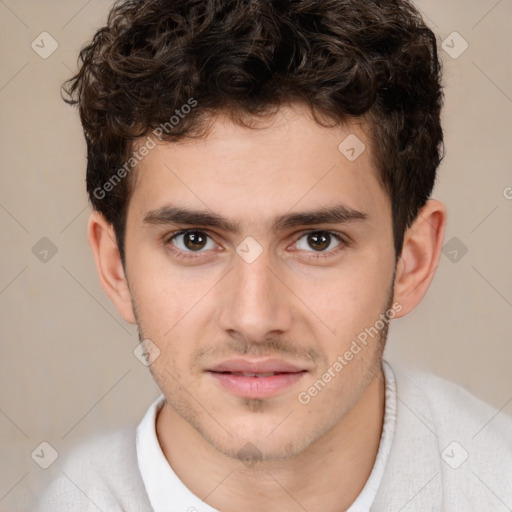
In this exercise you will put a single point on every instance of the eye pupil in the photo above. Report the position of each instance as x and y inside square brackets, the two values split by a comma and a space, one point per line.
[319, 240]
[194, 240]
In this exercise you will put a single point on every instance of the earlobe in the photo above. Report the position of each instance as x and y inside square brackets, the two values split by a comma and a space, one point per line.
[109, 266]
[423, 243]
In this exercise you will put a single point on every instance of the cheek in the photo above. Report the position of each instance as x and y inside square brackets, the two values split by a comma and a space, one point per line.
[167, 309]
[348, 303]
[167, 294]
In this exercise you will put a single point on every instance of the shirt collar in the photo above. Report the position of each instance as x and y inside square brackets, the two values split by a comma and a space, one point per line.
[367, 496]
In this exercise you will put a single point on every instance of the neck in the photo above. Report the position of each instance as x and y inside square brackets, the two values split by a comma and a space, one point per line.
[331, 472]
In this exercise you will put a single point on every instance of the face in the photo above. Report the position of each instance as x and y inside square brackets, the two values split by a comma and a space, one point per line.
[288, 262]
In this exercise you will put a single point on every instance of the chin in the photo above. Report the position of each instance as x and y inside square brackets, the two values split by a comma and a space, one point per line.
[260, 443]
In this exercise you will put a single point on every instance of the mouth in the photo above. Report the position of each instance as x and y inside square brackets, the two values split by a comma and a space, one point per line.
[256, 379]
[258, 375]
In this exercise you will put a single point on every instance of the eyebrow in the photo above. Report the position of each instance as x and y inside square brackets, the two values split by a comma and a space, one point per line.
[338, 214]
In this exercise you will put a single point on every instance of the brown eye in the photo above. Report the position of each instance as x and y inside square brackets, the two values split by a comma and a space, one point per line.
[318, 241]
[192, 241]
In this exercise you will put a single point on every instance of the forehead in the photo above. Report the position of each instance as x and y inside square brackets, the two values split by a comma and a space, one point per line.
[289, 162]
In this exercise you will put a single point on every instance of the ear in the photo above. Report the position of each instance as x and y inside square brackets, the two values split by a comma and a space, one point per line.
[423, 243]
[112, 277]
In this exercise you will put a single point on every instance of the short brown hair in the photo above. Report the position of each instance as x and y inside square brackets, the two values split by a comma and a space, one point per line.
[342, 58]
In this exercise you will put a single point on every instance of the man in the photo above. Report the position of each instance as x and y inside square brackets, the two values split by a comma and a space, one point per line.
[261, 175]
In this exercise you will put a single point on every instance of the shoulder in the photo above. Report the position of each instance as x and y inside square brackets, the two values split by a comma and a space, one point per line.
[99, 473]
[447, 406]
[462, 443]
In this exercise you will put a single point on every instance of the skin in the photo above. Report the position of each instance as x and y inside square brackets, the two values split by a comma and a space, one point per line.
[286, 304]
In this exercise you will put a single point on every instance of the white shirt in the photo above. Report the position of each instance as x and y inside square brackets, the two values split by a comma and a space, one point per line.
[163, 486]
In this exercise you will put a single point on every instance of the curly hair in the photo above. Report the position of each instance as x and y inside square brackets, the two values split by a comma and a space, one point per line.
[344, 59]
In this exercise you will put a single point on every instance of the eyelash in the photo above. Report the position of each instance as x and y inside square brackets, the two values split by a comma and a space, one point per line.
[319, 254]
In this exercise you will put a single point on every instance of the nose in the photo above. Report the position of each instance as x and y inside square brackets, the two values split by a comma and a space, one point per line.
[255, 303]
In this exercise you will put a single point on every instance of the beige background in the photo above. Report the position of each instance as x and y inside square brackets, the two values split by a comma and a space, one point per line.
[67, 368]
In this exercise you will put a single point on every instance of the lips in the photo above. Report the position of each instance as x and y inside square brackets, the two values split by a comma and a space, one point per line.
[250, 374]
[265, 366]
[256, 379]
